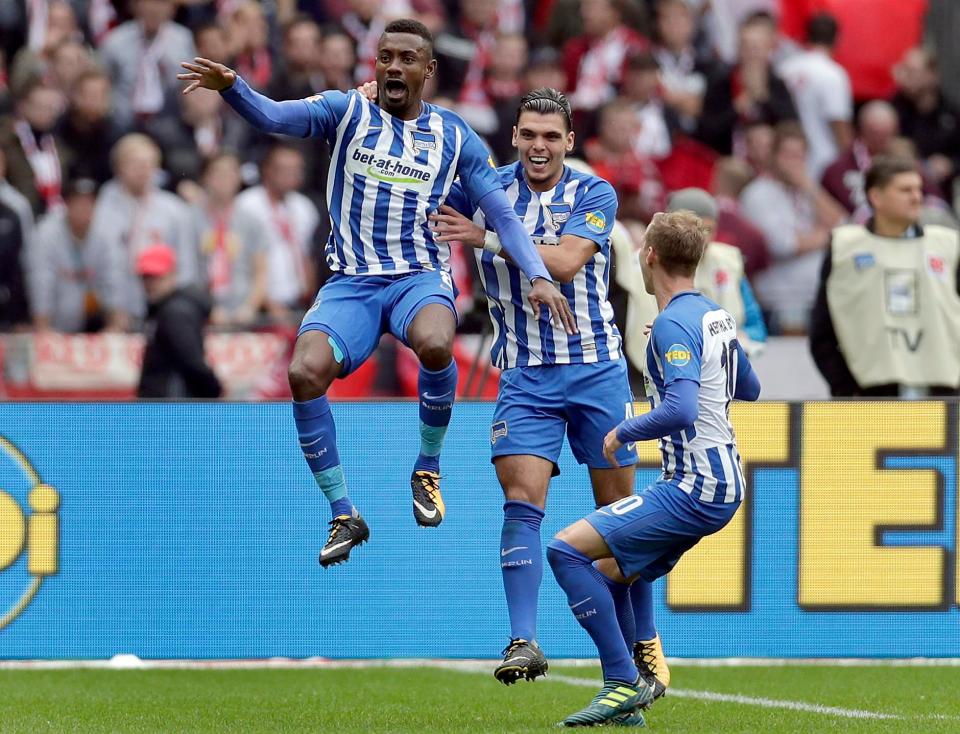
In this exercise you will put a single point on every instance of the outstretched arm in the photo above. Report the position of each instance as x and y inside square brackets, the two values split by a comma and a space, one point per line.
[287, 118]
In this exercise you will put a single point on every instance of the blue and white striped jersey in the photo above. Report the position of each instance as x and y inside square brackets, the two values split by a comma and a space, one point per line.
[582, 205]
[695, 339]
[386, 175]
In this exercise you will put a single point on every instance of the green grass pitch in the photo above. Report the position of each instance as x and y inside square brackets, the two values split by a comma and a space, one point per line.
[918, 700]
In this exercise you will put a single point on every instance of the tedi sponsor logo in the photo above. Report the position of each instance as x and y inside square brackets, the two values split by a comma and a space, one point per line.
[29, 532]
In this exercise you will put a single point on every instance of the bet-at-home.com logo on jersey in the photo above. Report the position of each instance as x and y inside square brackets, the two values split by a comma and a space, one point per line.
[29, 532]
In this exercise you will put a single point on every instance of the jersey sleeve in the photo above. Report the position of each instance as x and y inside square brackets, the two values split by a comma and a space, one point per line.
[326, 112]
[458, 199]
[679, 348]
[314, 116]
[478, 176]
[593, 216]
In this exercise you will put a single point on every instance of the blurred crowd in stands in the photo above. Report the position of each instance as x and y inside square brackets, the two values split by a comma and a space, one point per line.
[777, 108]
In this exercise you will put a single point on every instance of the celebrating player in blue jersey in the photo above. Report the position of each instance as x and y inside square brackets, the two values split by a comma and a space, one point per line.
[694, 368]
[391, 165]
[553, 382]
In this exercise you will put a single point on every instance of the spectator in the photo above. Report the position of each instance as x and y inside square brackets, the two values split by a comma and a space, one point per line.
[942, 28]
[290, 220]
[758, 146]
[299, 72]
[641, 83]
[36, 59]
[173, 362]
[595, 60]
[213, 43]
[13, 293]
[877, 126]
[796, 216]
[232, 244]
[338, 59]
[613, 156]
[365, 21]
[142, 57]
[87, 132]
[131, 214]
[71, 59]
[67, 285]
[503, 88]
[545, 70]
[464, 53]
[684, 72]
[723, 21]
[925, 115]
[876, 34]
[249, 36]
[887, 315]
[821, 89]
[13, 199]
[749, 92]
[204, 128]
[34, 157]
[730, 178]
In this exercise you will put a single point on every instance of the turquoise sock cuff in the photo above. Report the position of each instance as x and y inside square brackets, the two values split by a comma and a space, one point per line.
[431, 439]
[332, 483]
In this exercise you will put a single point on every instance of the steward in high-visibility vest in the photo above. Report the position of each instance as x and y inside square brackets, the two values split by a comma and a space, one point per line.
[887, 317]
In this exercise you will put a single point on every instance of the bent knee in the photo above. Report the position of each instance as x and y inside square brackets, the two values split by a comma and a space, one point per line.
[435, 353]
[558, 551]
[310, 375]
[529, 493]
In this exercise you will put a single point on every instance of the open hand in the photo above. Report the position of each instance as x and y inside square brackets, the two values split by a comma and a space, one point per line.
[207, 74]
[451, 225]
[545, 293]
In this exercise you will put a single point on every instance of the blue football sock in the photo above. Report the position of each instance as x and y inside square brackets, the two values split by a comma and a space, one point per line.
[623, 604]
[437, 391]
[641, 597]
[521, 563]
[318, 441]
[591, 603]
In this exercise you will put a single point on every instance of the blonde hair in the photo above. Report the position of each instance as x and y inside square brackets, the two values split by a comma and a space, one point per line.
[679, 239]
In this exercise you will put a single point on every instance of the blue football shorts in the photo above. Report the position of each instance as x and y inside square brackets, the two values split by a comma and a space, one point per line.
[536, 406]
[355, 310]
[648, 532]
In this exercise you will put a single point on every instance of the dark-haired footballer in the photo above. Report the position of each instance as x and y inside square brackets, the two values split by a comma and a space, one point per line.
[553, 383]
[392, 163]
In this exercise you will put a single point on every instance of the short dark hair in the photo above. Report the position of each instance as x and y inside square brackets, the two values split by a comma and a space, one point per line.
[298, 20]
[547, 101]
[822, 30]
[883, 169]
[760, 17]
[414, 28]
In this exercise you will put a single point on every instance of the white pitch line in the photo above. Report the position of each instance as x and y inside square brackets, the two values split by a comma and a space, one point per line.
[770, 703]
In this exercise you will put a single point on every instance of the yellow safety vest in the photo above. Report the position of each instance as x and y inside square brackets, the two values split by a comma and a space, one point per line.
[894, 306]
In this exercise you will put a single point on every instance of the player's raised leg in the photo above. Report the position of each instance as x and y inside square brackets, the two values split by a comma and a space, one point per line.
[524, 480]
[313, 368]
[325, 350]
[571, 555]
[430, 335]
